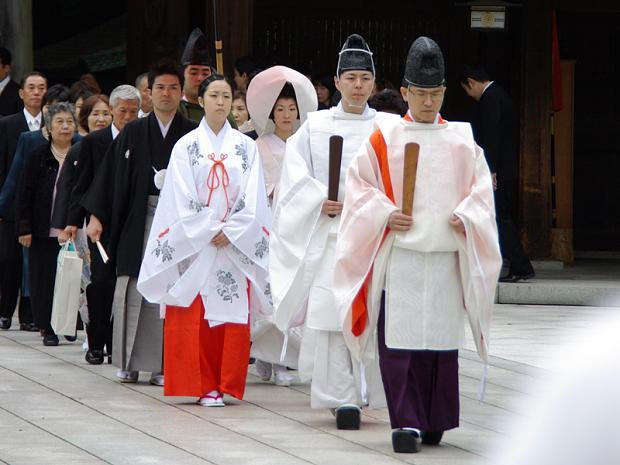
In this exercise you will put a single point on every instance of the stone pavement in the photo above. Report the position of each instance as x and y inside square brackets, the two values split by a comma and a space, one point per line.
[56, 409]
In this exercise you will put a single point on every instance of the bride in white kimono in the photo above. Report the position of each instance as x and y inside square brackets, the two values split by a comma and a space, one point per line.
[206, 260]
[279, 99]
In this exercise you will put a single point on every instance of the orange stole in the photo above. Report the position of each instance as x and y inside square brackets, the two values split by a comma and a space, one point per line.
[359, 306]
[199, 359]
[440, 120]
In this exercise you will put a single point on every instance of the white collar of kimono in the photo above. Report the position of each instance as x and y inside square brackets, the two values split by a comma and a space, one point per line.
[215, 139]
[115, 131]
[164, 127]
[413, 124]
[338, 112]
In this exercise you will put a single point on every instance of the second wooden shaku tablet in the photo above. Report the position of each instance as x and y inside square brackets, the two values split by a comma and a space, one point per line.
[410, 169]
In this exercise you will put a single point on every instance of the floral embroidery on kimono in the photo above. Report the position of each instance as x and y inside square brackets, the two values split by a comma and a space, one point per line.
[240, 204]
[194, 153]
[268, 293]
[196, 205]
[227, 287]
[242, 257]
[241, 152]
[164, 250]
[262, 248]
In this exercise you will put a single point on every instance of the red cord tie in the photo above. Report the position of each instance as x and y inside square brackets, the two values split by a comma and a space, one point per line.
[214, 180]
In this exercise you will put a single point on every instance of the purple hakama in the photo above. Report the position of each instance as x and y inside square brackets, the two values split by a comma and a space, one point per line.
[421, 386]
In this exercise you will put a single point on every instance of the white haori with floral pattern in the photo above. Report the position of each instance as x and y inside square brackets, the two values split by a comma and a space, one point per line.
[213, 183]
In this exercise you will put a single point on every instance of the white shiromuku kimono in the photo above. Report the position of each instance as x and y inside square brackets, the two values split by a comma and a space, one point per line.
[267, 339]
[271, 149]
[213, 183]
[302, 255]
[433, 276]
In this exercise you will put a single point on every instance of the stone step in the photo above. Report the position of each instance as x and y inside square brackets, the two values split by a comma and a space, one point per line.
[595, 293]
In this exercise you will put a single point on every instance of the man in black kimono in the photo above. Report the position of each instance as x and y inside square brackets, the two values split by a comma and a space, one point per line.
[33, 88]
[123, 197]
[496, 129]
[10, 103]
[125, 103]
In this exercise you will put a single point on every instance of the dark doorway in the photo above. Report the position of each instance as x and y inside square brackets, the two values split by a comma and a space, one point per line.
[595, 48]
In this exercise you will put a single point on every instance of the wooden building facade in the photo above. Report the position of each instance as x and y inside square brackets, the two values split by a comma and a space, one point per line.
[569, 198]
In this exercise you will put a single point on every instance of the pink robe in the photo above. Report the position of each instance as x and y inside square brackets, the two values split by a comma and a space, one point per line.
[461, 185]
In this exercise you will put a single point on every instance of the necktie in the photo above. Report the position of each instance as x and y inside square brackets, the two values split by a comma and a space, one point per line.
[34, 125]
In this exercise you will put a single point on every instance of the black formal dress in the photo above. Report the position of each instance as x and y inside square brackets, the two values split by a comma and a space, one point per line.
[496, 130]
[10, 102]
[35, 199]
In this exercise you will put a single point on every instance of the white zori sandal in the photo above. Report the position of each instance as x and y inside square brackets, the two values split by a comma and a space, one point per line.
[212, 399]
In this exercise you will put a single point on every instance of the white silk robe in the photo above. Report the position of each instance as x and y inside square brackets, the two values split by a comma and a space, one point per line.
[303, 242]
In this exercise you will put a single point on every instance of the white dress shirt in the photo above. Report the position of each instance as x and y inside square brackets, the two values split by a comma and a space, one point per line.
[486, 87]
[115, 131]
[4, 83]
[34, 122]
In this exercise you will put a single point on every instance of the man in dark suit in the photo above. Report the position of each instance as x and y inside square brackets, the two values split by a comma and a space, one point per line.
[10, 102]
[32, 90]
[496, 129]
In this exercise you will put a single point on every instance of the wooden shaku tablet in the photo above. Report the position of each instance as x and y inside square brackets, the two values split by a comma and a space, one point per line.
[335, 160]
[412, 153]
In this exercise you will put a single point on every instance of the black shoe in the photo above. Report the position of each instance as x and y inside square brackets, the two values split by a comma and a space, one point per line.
[31, 327]
[50, 340]
[509, 278]
[71, 338]
[94, 357]
[432, 438]
[5, 323]
[523, 277]
[514, 278]
[406, 441]
[348, 417]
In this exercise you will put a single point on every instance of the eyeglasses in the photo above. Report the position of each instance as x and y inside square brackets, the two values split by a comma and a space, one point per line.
[423, 95]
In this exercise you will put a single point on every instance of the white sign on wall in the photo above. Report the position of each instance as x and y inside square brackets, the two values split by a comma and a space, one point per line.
[487, 18]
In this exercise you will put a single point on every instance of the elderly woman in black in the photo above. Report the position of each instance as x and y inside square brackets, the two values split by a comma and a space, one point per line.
[35, 203]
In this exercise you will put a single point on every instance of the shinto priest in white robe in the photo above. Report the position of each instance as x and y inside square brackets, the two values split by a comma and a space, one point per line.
[434, 278]
[302, 256]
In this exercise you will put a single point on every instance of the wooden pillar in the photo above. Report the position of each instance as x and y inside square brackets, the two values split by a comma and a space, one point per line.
[562, 243]
[235, 26]
[535, 195]
[16, 35]
[155, 29]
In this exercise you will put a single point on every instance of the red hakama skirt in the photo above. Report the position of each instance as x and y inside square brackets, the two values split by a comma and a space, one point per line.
[199, 359]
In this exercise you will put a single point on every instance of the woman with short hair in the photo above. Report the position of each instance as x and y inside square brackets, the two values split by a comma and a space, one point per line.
[35, 202]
